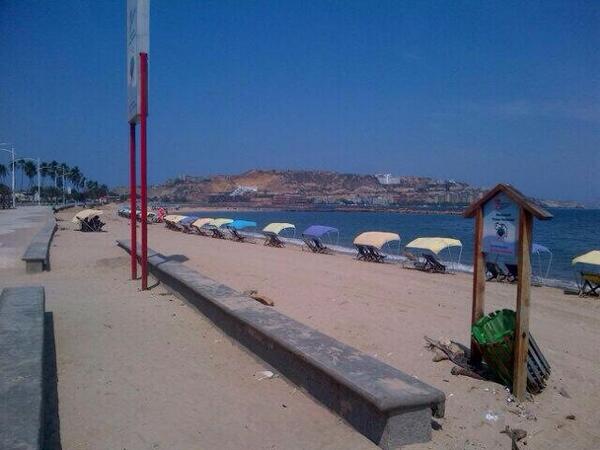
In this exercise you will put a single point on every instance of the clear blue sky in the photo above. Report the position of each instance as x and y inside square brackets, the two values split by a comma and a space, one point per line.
[476, 91]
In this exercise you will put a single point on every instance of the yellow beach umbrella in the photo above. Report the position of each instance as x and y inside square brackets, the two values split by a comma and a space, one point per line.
[86, 214]
[217, 223]
[278, 227]
[592, 258]
[199, 223]
[434, 244]
[375, 239]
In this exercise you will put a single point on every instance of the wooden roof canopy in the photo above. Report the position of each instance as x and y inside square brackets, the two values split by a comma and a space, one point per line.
[528, 205]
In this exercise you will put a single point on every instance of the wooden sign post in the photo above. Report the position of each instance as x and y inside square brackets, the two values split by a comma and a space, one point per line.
[503, 228]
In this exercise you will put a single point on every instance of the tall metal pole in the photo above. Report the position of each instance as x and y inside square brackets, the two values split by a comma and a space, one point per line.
[14, 197]
[143, 164]
[39, 177]
[132, 201]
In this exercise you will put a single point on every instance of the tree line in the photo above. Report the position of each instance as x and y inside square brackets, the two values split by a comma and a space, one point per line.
[55, 178]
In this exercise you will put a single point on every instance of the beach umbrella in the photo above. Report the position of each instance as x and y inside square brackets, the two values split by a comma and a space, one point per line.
[376, 239]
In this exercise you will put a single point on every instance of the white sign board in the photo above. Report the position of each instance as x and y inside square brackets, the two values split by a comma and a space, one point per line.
[500, 226]
[138, 12]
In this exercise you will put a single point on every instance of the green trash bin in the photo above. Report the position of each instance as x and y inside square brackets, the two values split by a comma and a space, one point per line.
[494, 334]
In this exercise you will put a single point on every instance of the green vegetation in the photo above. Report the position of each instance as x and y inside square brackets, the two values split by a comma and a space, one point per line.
[58, 181]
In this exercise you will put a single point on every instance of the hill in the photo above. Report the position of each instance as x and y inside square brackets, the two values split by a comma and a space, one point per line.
[313, 189]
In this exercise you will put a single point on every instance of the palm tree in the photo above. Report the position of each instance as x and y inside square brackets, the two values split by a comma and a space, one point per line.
[52, 171]
[19, 165]
[75, 176]
[63, 173]
[30, 170]
[44, 170]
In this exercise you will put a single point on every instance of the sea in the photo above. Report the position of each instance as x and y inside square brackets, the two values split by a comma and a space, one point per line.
[570, 233]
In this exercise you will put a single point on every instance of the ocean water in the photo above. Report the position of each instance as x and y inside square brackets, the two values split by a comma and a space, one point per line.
[570, 233]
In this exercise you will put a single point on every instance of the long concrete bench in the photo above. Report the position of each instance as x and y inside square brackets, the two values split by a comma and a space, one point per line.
[386, 405]
[21, 368]
[37, 255]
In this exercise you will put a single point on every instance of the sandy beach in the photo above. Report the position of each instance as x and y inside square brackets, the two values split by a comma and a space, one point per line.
[385, 311]
[143, 370]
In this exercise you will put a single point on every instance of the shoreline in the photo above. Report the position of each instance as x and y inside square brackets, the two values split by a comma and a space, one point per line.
[183, 208]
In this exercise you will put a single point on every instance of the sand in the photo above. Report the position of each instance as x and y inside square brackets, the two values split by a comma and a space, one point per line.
[142, 370]
[385, 311]
[131, 371]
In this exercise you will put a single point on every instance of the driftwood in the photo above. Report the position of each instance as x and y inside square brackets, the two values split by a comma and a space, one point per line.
[455, 354]
[515, 435]
[258, 297]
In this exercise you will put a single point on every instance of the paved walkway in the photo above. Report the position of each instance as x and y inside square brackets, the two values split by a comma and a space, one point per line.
[17, 227]
[142, 370]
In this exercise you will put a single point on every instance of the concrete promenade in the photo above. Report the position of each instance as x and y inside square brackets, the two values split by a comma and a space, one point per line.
[17, 228]
[141, 370]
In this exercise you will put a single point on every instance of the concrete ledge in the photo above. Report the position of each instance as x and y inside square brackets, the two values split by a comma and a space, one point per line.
[63, 207]
[37, 255]
[21, 368]
[386, 405]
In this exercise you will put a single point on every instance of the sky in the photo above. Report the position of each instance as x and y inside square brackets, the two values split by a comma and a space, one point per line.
[482, 92]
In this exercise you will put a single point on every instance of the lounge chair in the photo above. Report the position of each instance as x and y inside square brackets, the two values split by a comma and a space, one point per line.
[217, 233]
[214, 227]
[313, 237]
[236, 226]
[89, 220]
[199, 226]
[370, 243]
[172, 220]
[494, 272]
[185, 224]
[369, 253]
[417, 262]
[430, 250]
[273, 231]
[590, 284]
[513, 272]
[315, 245]
[272, 240]
[432, 264]
[93, 224]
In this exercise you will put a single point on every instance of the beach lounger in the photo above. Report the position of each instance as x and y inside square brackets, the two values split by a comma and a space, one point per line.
[590, 284]
[369, 253]
[214, 227]
[199, 226]
[272, 233]
[315, 245]
[415, 260]
[216, 233]
[93, 224]
[237, 226]
[171, 221]
[89, 220]
[272, 240]
[185, 224]
[429, 250]
[494, 272]
[512, 272]
[370, 243]
[432, 264]
[313, 237]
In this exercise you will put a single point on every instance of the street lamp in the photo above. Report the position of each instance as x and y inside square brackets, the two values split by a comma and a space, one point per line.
[62, 175]
[12, 152]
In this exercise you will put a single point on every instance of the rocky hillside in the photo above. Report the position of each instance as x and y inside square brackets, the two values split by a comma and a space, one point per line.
[308, 189]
